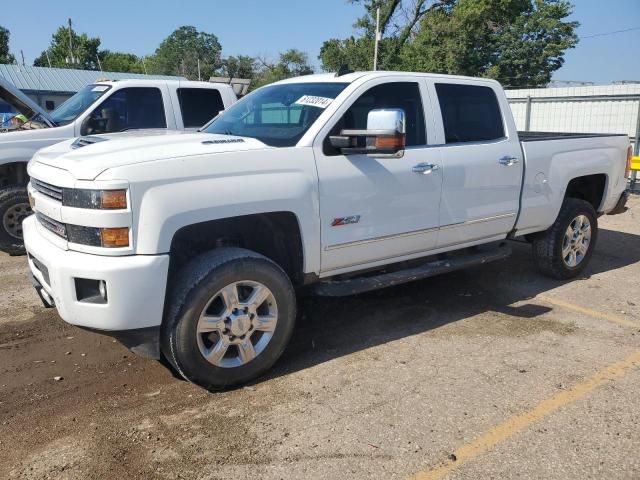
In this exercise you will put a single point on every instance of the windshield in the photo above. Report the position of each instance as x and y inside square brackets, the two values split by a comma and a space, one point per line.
[76, 105]
[277, 115]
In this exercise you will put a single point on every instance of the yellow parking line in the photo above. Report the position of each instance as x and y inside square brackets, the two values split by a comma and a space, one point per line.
[587, 311]
[520, 422]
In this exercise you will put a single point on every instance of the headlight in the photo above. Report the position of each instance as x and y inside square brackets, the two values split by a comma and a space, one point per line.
[95, 199]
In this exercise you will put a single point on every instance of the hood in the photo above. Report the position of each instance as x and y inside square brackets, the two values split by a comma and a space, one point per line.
[87, 157]
[23, 104]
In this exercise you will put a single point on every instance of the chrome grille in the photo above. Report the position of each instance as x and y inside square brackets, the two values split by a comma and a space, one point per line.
[47, 189]
[52, 225]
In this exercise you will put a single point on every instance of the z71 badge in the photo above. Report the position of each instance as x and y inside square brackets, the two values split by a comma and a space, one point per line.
[337, 222]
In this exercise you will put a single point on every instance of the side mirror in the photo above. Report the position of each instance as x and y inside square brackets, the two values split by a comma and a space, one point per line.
[385, 134]
[85, 126]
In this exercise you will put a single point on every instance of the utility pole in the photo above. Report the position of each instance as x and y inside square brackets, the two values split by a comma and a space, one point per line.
[99, 64]
[144, 65]
[46, 52]
[22, 54]
[375, 53]
[199, 79]
[70, 60]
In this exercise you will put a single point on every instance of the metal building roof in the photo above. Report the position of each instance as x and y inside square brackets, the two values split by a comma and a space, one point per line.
[46, 79]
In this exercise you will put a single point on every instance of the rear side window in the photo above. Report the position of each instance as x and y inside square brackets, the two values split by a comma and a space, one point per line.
[470, 113]
[199, 105]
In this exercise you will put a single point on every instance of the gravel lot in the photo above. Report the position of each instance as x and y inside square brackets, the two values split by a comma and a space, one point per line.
[493, 372]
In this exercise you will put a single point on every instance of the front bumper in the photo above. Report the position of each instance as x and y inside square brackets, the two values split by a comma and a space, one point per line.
[135, 284]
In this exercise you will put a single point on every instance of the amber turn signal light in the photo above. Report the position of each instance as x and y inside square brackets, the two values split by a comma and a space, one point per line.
[115, 237]
[113, 199]
[390, 143]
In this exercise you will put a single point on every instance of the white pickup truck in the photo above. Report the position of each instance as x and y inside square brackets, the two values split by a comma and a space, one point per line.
[190, 247]
[103, 107]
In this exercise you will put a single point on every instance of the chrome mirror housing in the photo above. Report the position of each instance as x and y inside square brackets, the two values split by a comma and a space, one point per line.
[385, 134]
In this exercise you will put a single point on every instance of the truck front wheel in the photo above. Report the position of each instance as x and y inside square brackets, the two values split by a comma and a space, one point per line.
[14, 208]
[230, 315]
[564, 250]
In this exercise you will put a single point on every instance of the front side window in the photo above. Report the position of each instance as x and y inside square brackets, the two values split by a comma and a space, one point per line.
[128, 109]
[277, 115]
[470, 113]
[199, 105]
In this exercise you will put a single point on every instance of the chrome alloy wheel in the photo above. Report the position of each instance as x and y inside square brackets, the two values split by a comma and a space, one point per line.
[237, 324]
[13, 217]
[577, 239]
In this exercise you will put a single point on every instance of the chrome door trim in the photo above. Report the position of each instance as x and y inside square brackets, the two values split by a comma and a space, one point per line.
[477, 220]
[379, 239]
[406, 254]
[415, 232]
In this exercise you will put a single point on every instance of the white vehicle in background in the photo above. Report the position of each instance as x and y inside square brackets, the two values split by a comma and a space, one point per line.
[191, 246]
[103, 107]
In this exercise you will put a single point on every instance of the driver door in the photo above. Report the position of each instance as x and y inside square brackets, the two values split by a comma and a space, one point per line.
[376, 209]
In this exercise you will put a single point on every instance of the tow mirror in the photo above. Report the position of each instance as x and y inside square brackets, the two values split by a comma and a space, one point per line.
[385, 134]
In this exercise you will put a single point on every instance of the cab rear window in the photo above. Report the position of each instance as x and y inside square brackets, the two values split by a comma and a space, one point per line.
[199, 105]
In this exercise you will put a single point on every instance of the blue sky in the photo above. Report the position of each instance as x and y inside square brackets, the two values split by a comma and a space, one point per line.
[262, 27]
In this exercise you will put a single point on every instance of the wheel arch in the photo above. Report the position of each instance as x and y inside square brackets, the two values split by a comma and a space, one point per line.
[276, 235]
[13, 173]
[591, 188]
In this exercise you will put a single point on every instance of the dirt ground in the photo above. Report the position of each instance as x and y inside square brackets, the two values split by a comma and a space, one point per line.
[493, 372]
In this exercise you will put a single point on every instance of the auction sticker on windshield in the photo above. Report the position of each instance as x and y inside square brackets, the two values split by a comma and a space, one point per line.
[313, 101]
[99, 88]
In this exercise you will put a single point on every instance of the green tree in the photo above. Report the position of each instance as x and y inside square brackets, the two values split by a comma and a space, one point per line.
[5, 56]
[518, 42]
[120, 62]
[292, 63]
[242, 66]
[398, 21]
[180, 52]
[80, 52]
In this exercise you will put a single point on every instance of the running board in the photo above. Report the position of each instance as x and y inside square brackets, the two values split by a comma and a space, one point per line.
[353, 286]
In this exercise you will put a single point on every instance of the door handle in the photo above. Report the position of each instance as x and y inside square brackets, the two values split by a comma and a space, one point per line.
[508, 160]
[425, 168]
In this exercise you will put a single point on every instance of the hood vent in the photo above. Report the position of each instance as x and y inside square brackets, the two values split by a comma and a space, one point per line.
[84, 141]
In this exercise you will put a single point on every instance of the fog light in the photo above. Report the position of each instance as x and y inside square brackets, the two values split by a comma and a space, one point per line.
[102, 288]
[91, 291]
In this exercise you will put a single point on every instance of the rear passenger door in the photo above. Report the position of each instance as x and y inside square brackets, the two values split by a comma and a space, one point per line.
[199, 105]
[481, 160]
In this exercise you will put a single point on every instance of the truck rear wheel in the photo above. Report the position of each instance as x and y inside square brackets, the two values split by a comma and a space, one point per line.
[230, 315]
[14, 208]
[564, 250]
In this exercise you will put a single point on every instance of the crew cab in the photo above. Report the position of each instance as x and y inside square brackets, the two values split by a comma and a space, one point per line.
[103, 107]
[192, 247]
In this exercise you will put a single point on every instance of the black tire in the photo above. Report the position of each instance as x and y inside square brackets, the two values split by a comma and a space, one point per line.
[14, 207]
[547, 246]
[190, 293]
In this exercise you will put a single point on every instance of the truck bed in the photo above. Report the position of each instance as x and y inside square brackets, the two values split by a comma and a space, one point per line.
[539, 136]
[550, 165]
